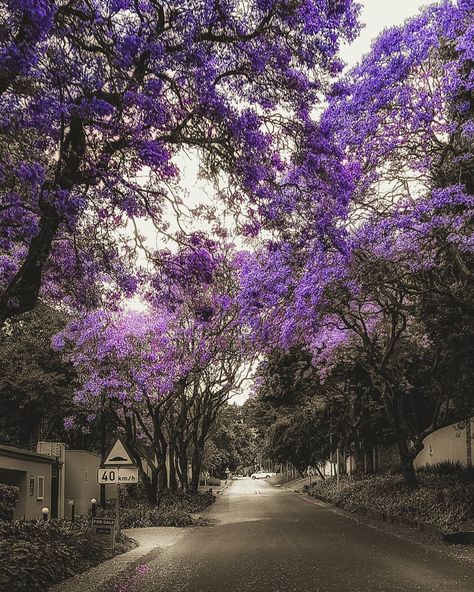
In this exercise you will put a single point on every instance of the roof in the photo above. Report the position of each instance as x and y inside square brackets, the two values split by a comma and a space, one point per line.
[11, 451]
[82, 452]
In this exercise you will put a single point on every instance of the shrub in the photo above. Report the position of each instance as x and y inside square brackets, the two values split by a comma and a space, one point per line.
[35, 554]
[8, 500]
[142, 514]
[188, 502]
[444, 498]
[445, 468]
[173, 510]
[211, 481]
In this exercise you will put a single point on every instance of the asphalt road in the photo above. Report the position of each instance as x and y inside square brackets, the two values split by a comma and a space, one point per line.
[267, 539]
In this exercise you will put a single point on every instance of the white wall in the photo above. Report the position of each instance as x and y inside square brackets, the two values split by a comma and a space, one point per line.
[447, 444]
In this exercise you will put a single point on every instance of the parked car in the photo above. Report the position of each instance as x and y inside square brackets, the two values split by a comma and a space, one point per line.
[262, 475]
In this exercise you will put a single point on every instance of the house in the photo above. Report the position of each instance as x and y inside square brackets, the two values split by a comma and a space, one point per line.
[78, 477]
[52, 477]
[35, 475]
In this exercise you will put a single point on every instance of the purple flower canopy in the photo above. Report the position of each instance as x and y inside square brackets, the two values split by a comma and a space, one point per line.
[399, 126]
[94, 95]
[96, 101]
[138, 359]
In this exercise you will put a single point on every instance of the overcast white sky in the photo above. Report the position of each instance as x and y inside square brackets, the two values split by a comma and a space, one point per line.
[378, 15]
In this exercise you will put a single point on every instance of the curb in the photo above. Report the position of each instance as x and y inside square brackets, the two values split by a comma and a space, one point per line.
[202, 515]
[459, 538]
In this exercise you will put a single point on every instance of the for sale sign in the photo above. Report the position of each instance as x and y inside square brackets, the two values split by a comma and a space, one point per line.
[103, 530]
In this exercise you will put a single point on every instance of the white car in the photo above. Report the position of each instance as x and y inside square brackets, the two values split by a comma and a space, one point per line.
[262, 475]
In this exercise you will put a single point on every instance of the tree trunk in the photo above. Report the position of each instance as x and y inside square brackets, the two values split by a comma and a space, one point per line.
[406, 459]
[196, 469]
[320, 473]
[173, 484]
[183, 467]
[21, 294]
[162, 481]
[369, 460]
[151, 485]
[406, 456]
[358, 455]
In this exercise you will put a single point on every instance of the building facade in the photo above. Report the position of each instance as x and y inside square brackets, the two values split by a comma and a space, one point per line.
[36, 477]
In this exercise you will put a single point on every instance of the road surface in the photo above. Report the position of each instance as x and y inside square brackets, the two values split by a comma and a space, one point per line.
[268, 539]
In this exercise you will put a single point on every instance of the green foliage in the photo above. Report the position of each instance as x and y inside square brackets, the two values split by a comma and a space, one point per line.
[211, 481]
[8, 500]
[301, 438]
[444, 497]
[290, 411]
[287, 377]
[36, 387]
[173, 510]
[35, 554]
[189, 502]
[142, 514]
[231, 443]
[445, 468]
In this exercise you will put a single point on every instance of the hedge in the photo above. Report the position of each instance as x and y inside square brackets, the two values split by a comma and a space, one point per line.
[34, 554]
[173, 510]
[8, 500]
[210, 482]
[444, 498]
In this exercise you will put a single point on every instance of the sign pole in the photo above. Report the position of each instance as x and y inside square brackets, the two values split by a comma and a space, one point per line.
[117, 510]
[117, 467]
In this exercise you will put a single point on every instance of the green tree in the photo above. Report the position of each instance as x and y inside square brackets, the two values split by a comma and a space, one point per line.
[36, 386]
[231, 443]
[300, 438]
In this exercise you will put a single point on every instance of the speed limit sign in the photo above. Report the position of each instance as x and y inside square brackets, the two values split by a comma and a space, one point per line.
[121, 475]
[107, 475]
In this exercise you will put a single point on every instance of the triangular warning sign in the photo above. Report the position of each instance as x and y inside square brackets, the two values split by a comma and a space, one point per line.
[118, 455]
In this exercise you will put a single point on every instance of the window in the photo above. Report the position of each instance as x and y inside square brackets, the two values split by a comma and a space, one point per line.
[40, 489]
[32, 485]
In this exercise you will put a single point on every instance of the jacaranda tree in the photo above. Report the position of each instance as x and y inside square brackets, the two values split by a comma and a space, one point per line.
[98, 97]
[403, 120]
[142, 368]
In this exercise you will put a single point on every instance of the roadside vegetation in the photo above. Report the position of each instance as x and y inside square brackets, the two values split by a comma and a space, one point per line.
[444, 498]
[175, 509]
[368, 334]
[8, 500]
[34, 554]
